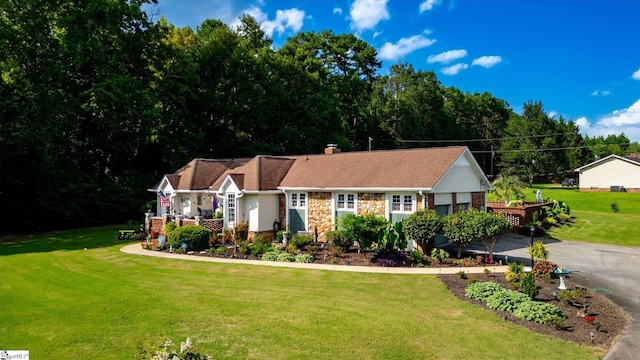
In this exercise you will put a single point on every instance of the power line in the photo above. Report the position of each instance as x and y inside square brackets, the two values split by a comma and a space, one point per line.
[478, 140]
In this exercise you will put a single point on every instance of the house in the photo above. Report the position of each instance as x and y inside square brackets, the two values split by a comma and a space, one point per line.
[611, 173]
[310, 193]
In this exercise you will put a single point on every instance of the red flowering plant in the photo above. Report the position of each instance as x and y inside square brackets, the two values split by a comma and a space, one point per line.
[588, 319]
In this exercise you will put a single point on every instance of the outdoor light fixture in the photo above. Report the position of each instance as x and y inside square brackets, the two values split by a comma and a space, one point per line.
[592, 336]
[533, 230]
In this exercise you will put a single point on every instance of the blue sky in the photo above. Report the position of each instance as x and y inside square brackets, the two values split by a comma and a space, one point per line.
[580, 58]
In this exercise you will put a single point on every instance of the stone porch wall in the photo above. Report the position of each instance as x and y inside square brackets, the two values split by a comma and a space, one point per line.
[282, 211]
[320, 216]
[373, 203]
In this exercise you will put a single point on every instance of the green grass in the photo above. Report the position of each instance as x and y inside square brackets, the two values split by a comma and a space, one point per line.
[594, 221]
[60, 301]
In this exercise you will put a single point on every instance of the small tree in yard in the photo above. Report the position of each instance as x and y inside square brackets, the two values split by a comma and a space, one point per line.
[422, 227]
[459, 228]
[489, 227]
[366, 229]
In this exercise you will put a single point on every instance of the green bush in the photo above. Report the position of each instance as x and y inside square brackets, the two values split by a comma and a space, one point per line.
[221, 250]
[573, 297]
[286, 257]
[366, 230]
[338, 238]
[304, 258]
[538, 251]
[482, 290]
[529, 287]
[439, 255]
[516, 267]
[461, 274]
[169, 227]
[564, 217]
[422, 226]
[270, 256]
[539, 312]
[259, 246]
[244, 247]
[299, 241]
[196, 237]
[507, 300]
[416, 256]
[549, 220]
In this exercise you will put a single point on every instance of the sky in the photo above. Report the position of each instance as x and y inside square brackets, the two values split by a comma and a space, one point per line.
[580, 58]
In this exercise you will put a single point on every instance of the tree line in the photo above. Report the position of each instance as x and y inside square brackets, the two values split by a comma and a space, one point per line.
[97, 101]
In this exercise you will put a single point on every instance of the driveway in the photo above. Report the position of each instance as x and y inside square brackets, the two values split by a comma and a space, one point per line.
[610, 270]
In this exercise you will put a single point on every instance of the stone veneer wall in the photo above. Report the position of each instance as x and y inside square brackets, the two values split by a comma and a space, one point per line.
[320, 216]
[282, 212]
[371, 203]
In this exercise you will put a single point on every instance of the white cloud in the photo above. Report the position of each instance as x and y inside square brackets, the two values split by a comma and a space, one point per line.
[625, 121]
[376, 34]
[487, 61]
[454, 69]
[428, 5]
[601, 93]
[447, 56]
[366, 14]
[552, 114]
[289, 19]
[337, 10]
[404, 46]
[636, 75]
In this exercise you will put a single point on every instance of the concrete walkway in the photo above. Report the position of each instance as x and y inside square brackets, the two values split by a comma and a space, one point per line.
[136, 249]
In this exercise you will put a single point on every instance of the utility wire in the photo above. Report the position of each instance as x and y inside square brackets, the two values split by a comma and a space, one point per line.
[477, 140]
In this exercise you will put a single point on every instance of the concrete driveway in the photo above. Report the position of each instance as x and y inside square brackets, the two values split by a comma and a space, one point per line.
[608, 269]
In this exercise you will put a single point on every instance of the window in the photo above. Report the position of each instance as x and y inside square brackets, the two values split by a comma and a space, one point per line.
[346, 202]
[231, 207]
[199, 199]
[463, 206]
[298, 200]
[402, 204]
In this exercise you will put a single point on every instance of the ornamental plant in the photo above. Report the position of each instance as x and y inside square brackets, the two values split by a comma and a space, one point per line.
[339, 239]
[366, 229]
[482, 290]
[422, 227]
[195, 237]
[459, 228]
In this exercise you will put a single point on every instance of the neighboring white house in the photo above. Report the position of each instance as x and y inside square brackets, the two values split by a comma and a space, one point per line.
[612, 173]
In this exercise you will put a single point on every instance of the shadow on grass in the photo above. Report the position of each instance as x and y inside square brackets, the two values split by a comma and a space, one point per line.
[67, 240]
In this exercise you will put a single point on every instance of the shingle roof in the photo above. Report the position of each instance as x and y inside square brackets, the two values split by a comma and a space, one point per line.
[410, 168]
[199, 174]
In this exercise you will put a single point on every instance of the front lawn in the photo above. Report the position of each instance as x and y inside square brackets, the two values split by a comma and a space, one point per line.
[595, 221]
[61, 301]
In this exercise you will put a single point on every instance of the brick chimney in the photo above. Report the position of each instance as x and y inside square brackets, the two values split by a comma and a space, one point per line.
[331, 149]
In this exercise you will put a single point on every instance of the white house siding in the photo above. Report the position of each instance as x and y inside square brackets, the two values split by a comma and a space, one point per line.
[268, 211]
[461, 178]
[611, 172]
[463, 198]
[250, 211]
[442, 199]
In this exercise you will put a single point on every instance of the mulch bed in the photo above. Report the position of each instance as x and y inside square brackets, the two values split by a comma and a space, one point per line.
[610, 317]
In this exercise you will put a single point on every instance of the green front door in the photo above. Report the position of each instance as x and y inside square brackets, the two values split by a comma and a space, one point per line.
[296, 218]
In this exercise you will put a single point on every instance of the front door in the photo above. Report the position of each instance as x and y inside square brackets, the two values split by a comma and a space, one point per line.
[297, 212]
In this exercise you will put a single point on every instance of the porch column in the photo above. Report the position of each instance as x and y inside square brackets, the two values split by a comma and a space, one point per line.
[179, 220]
[147, 222]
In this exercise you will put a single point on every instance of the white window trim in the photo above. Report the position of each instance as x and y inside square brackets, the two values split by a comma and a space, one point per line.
[231, 207]
[402, 203]
[346, 202]
[296, 196]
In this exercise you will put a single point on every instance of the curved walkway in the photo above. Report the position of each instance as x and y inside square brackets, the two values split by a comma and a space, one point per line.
[136, 249]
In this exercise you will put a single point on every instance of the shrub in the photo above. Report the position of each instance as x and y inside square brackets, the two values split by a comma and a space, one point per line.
[549, 220]
[614, 207]
[299, 241]
[537, 311]
[511, 276]
[507, 300]
[286, 257]
[169, 351]
[466, 262]
[241, 231]
[312, 249]
[339, 239]
[196, 237]
[304, 258]
[270, 256]
[168, 228]
[366, 229]
[564, 217]
[221, 250]
[461, 274]
[516, 267]
[333, 261]
[243, 247]
[542, 268]
[529, 287]
[574, 296]
[422, 226]
[482, 290]
[538, 251]
[439, 255]
[279, 236]
[472, 280]
[416, 256]
[259, 246]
